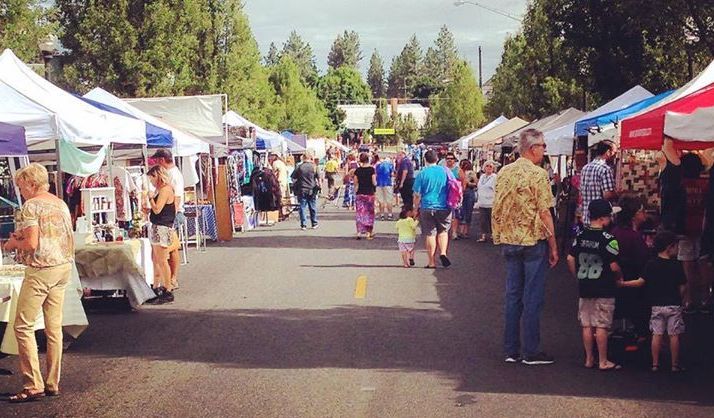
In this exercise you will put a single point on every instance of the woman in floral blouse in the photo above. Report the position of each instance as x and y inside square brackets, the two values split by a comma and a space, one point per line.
[45, 245]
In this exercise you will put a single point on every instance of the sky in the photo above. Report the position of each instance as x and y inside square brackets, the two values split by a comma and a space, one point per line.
[387, 25]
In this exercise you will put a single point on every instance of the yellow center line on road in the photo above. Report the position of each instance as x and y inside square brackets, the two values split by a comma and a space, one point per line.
[361, 287]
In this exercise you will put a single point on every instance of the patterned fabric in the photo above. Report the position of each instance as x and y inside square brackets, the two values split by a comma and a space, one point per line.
[349, 199]
[596, 179]
[208, 218]
[522, 193]
[160, 235]
[56, 239]
[365, 213]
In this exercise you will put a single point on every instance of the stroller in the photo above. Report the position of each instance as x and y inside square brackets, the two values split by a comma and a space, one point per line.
[334, 198]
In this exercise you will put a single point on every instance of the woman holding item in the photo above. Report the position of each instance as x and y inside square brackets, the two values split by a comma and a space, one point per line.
[44, 243]
[162, 216]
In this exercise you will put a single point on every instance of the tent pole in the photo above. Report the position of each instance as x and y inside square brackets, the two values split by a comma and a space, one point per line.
[200, 177]
[110, 164]
[58, 177]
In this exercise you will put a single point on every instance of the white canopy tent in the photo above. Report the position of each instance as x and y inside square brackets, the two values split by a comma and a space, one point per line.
[184, 144]
[48, 113]
[198, 115]
[492, 136]
[273, 140]
[464, 141]
[695, 126]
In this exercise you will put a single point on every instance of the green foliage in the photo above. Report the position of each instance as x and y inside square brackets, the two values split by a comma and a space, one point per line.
[567, 49]
[404, 71]
[345, 51]
[407, 129]
[300, 52]
[375, 76]
[439, 61]
[381, 119]
[301, 110]
[345, 85]
[458, 110]
[273, 57]
[24, 24]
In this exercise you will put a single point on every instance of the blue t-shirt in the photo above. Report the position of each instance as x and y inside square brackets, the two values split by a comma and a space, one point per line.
[405, 165]
[384, 173]
[432, 185]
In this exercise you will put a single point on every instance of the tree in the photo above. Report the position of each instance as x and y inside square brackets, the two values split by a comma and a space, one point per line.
[273, 57]
[404, 71]
[407, 130]
[375, 76]
[345, 51]
[345, 85]
[24, 24]
[459, 109]
[301, 110]
[300, 52]
[439, 60]
[382, 119]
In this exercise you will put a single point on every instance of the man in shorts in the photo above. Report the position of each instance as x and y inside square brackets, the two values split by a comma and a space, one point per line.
[385, 188]
[593, 262]
[431, 192]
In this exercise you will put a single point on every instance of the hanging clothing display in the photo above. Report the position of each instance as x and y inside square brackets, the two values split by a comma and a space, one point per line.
[124, 187]
[266, 190]
[78, 162]
[249, 166]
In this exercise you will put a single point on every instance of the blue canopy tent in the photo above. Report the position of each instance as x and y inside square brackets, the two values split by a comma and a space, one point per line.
[156, 137]
[583, 126]
[12, 140]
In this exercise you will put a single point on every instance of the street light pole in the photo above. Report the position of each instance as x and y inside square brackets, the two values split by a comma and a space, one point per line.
[490, 9]
[480, 70]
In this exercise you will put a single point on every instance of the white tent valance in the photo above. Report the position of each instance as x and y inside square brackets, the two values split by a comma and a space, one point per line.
[695, 126]
[47, 112]
[184, 144]
[199, 115]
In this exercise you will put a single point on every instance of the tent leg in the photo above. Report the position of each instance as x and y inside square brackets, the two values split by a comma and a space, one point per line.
[58, 177]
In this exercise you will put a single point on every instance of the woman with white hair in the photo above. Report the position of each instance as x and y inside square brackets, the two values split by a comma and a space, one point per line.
[45, 244]
[486, 193]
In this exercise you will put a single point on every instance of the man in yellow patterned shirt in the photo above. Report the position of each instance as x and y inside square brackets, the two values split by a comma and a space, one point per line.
[523, 225]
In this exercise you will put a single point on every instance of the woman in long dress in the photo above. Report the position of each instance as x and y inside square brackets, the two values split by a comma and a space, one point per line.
[365, 187]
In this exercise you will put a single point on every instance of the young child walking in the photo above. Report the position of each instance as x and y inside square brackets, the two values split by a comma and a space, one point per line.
[665, 284]
[407, 228]
[593, 262]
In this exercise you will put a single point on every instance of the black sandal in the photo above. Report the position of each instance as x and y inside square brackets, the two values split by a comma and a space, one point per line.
[26, 396]
[52, 393]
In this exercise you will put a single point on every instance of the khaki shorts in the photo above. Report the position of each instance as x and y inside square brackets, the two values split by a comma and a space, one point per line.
[596, 312]
[385, 195]
[667, 318]
[689, 249]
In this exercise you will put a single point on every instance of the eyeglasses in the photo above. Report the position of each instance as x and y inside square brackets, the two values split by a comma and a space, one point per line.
[541, 145]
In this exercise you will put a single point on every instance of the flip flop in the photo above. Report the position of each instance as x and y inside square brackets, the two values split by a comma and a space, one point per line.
[430, 267]
[610, 368]
[26, 396]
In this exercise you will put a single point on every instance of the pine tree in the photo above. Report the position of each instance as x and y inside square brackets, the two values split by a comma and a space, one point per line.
[375, 76]
[300, 52]
[404, 72]
[459, 109]
[273, 57]
[345, 51]
[301, 110]
[342, 85]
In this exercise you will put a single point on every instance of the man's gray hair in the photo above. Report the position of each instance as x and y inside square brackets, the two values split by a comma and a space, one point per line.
[528, 138]
[309, 155]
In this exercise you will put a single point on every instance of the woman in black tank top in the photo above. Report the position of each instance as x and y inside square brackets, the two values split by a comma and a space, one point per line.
[162, 216]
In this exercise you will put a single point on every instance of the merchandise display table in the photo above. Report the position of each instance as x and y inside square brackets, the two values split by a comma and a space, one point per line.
[122, 265]
[206, 221]
[74, 319]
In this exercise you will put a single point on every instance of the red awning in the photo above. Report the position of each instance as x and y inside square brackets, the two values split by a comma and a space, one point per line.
[646, 130]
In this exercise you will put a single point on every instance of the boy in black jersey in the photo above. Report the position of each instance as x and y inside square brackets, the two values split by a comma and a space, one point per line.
[593, 261]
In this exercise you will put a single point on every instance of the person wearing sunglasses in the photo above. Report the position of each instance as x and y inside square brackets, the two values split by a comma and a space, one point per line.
[522, 224]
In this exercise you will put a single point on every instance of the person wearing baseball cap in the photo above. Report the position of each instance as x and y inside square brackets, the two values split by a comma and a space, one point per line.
[593, 261]
[165, 159]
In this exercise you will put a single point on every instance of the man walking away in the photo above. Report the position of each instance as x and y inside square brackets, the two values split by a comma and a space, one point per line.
[522, 223]
[306, 186]
[431, 192]
[385, 190]
[597, 179]
[405, 179]
[331, 168]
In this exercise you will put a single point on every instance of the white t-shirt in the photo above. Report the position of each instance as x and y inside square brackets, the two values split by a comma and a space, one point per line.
[123, 186]
[176, 179]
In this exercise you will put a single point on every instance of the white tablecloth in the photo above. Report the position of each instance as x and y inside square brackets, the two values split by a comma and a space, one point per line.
[118, 266]
[74, 320]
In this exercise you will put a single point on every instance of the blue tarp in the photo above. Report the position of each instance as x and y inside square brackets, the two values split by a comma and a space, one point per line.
[582, 126]
[156, 137]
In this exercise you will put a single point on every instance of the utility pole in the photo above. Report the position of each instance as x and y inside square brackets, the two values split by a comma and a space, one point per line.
[480, 70]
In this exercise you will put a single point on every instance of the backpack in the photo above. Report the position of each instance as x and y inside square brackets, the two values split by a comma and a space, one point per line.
[455, 190]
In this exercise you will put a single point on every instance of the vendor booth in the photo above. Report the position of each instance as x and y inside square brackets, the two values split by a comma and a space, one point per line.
[464, 142]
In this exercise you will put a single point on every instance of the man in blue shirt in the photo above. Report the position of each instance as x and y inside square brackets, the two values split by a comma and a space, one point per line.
[385, 189]
[405, 179]
[431, 192]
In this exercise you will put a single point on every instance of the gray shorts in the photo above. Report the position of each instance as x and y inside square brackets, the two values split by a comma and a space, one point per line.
[434, 222]
[596, 313]
[667, 318]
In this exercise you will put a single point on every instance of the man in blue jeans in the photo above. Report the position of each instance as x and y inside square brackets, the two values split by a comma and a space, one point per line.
[523, 225]
[306, 186]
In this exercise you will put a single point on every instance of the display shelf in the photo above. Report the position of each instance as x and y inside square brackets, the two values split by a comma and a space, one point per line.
[99, 205]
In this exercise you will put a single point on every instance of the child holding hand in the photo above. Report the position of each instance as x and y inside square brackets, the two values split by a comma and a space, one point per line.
[407, 228]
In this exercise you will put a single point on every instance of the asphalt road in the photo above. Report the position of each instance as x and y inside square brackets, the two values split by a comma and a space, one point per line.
[272, 325]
